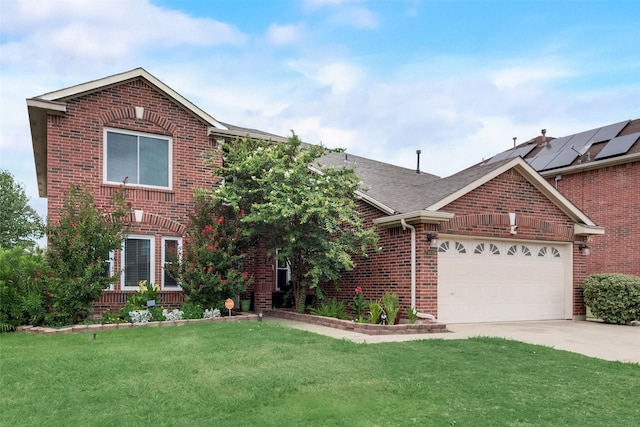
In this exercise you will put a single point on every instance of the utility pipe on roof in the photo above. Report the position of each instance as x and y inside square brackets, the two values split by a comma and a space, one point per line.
[413, 271]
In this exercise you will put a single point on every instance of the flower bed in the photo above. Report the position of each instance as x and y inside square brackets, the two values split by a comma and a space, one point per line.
[420, 327]
[111, 326]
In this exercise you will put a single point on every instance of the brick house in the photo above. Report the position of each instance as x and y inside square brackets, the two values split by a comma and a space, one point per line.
[494, 242]
[599, 171]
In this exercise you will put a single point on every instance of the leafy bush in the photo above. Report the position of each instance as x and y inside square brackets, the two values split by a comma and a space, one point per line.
[109, 317]
[78, 246]
[331, 308]
[210, 270]
[191, 310]
[412, 314]
[375, 310]
[613, 297]
[391, 304]
[21, 298]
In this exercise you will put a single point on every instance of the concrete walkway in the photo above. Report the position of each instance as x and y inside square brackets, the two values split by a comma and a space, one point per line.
[599, 340]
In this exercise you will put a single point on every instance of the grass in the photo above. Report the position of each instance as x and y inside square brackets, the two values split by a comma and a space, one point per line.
[251, 373]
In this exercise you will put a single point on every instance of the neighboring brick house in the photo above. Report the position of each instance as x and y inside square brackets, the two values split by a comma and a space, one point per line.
[599, 171]
[494, 242]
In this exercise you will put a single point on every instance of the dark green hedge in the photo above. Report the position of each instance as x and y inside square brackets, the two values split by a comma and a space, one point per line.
[613, 297]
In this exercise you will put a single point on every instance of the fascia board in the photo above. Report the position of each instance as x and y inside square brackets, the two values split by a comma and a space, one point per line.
[213, 131]
[50, 107]
[375, 203]
[595, 164]
[585, 230]
[416, 217]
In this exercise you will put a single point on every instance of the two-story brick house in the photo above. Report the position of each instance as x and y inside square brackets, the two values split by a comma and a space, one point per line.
[493, 242]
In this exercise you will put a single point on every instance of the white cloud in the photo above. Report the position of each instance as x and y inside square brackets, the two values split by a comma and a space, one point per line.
[284, 34]
[523, 74]
[345, 13]
[340, 76]
[66, 30]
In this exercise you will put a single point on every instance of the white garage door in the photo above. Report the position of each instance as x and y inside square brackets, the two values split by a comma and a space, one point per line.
[495, 281]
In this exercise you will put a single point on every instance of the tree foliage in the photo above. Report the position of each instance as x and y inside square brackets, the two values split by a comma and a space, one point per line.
[21, 296]
[78, 246]
[20, 225]
[296, 206]
[210, 269]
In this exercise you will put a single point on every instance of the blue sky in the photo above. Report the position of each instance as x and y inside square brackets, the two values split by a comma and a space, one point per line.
[455, 79]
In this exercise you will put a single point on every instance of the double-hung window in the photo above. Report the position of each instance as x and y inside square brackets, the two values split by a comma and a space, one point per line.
[138, 260]
[144, 159]
[171, 248]
[283, 272]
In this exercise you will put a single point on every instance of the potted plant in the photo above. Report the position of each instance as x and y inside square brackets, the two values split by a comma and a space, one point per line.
[245, 301]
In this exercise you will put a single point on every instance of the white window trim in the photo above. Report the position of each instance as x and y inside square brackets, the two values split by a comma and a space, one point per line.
[130, 132]
[152, 259]
[278, 269]
[179, 240]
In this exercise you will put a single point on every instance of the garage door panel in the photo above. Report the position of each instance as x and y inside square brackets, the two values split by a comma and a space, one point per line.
[485, 281]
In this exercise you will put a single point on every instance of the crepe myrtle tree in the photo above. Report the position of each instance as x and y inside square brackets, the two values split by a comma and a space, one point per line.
[210, 268]
[78, 247]
[304, 213]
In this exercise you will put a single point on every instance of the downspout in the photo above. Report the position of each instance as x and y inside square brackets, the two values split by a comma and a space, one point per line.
[413, 271]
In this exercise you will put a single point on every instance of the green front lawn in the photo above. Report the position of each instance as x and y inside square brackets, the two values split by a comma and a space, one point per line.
[251, 373]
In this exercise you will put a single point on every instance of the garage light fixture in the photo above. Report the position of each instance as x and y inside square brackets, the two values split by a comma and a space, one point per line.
[584, 249]
[432, 239]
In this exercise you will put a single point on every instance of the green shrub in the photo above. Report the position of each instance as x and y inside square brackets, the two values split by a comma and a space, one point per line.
[375, 310]
[22, 300]
[78, 247]
[191, 311]
[391, 304]
[613, 297]
[331, 308]
[109, 317]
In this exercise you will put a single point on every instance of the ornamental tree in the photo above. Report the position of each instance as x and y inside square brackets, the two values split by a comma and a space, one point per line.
[20, 225]
[305, 213]
[78, 247]
[210, 269]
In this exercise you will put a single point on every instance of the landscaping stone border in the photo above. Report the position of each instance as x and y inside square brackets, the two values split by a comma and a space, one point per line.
[420, 327]
[111, 326]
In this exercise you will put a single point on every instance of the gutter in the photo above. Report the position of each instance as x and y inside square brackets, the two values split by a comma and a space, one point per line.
[413, 271]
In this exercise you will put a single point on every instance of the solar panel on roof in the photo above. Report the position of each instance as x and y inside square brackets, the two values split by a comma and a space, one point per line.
[619, 145]
[564, 158]
[580, 141]
[541, 160]
[501, 156]
[522, 151]
[607, 132]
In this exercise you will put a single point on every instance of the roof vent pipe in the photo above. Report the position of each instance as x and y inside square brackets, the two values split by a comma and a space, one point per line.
[514, 141]
[544, 137]
[418, 165]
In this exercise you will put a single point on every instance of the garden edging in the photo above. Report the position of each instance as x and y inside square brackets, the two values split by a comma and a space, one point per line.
[112, 326]
[420, 327]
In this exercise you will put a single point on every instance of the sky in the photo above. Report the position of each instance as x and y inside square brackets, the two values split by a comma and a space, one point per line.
[455, 79]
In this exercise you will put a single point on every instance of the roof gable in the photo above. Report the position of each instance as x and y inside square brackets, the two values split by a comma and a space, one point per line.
[95, 85]
[529, 173]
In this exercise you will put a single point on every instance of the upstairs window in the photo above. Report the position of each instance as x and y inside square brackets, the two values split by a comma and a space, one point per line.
[144, 159]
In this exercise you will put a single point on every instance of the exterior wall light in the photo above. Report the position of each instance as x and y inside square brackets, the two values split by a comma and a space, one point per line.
[584, 249]
[432, 239]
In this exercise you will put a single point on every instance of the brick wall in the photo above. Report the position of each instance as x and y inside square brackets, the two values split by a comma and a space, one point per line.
[610, 197]
[76, 156]
[484, 212]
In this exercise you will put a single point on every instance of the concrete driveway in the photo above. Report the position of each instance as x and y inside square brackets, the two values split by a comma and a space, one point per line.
[608, 342]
